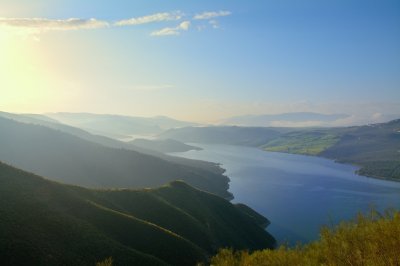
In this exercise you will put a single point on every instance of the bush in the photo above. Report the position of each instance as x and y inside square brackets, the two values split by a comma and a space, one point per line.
[372, 239]
[106, 262]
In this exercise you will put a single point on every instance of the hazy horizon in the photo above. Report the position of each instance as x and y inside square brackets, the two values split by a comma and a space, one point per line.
[202, 62]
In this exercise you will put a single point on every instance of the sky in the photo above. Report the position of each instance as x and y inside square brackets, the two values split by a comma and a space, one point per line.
[201, 61]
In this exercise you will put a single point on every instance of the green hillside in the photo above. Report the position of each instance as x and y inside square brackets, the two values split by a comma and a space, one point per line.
[310, 142]
[47, 223]
[375, 148]
[70, 159]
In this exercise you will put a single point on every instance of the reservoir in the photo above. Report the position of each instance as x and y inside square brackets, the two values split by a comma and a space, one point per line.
[297, 193]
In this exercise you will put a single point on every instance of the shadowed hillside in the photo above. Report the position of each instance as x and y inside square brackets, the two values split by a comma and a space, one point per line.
[113, 143]
[64, 157]
[47, 223]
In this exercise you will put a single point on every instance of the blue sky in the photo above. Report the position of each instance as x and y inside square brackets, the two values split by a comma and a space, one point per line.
[259, 57]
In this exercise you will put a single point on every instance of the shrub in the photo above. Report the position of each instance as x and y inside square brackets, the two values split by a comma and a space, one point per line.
[368, 240]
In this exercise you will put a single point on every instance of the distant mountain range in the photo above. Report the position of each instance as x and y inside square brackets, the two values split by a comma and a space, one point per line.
[118, 126]
[234, 135]
[375, 148]
[48, 223]
[285, 119]
[74, 156]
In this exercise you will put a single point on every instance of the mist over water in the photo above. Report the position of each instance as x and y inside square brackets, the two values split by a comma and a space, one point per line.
[299, 194]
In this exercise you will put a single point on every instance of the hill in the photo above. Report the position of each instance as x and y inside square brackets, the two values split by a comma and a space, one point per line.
[285, 119]
[47, 223]
[249, 136]
[67, 158]
[375, 148]
[163, 145]
[118, 126]
[109, 142]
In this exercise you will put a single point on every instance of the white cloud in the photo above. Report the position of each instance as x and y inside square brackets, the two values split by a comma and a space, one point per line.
[44, 24]
[33, 26]
[214, 23]
[183, 26]
[210, 15]
[158, 17]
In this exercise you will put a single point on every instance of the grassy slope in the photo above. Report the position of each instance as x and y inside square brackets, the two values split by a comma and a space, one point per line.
[368, 240]
[67, 158]
[302, 142]
[46, 223]
[375, 147]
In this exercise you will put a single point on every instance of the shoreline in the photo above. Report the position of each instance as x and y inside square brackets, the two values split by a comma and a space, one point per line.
[339, 162]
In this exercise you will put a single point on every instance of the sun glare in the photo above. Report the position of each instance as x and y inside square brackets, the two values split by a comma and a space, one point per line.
[22, 81]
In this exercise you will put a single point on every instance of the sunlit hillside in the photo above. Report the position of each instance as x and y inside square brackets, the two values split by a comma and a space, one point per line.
[371, 239]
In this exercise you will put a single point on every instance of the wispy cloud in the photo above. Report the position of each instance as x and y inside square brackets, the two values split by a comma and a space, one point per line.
[158, 17]
[44, 24]
[184, 26]
[35, 26]
[214, 23]
[212, 14]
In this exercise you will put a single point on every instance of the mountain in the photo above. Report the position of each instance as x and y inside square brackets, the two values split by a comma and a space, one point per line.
[285, 119]
[118, 126]
[375, 148]
[109, 142]
[48, 223]
[67, 158]
[163, 145]
[250, 136]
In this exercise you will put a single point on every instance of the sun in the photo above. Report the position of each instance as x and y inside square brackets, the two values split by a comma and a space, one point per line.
[22, 81]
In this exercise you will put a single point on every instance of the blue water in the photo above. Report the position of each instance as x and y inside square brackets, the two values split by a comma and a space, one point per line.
[299, 194]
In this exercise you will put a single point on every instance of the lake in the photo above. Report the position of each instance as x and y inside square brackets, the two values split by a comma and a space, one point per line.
[297, 193]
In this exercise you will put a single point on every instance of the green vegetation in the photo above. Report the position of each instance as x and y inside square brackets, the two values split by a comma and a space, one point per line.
[47, 223]
[70, 159]
[375, 148]
[372, 239]
[308, 142]
[106, 262]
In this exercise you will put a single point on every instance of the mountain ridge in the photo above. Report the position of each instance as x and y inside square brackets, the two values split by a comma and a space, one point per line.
[146, 227]
[65, 157]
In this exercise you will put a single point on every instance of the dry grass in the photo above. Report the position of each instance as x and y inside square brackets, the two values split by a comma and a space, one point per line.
[368, 240]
